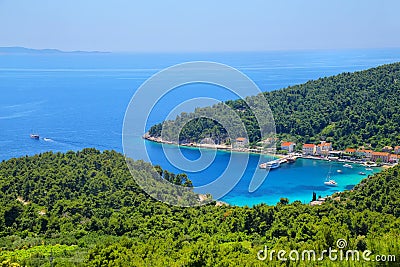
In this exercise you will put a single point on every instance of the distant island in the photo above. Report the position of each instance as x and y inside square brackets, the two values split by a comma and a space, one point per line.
[24, 50]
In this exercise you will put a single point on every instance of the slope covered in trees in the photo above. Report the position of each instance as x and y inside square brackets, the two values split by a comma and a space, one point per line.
[350, 109]
[85, 209]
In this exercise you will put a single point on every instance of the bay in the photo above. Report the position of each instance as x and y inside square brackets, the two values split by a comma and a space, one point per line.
[79, 100]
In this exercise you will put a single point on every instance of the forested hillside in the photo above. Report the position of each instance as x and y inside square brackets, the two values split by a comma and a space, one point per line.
[85, 209]
[349, 109]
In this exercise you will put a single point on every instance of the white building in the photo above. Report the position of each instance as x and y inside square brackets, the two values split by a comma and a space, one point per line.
[288, 146]
[309, 149]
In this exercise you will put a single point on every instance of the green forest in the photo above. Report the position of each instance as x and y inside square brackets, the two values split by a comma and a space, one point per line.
[349, 110]
[85, 209]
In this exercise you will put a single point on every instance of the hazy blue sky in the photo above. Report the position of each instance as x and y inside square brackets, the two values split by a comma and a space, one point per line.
[206, 25]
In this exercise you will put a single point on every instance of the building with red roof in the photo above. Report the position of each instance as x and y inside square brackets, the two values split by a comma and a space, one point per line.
[309, 149]
[288, 146]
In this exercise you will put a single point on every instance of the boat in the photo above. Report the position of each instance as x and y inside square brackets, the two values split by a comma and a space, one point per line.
[273, 164]
[361, 173]
[348, 166]
[339, 171]
[34, 136]
[331, 183]
[47, 139]
[328, 180]
[270, 165]
[368, 169]
[282, 161]
[370, 164]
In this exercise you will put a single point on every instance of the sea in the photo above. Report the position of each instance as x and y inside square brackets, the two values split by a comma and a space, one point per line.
[78, 100]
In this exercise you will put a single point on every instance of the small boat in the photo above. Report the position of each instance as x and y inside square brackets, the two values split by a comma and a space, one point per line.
[282, 161]
[47, 139]
[331, 183]
[328, 180]
[370, 164]
[361, 173]
[34, 136]
[339, 171]
[348, 166]
[368, 169]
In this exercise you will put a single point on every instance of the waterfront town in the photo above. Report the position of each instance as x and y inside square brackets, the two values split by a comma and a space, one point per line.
[388, 154]
[323, 150]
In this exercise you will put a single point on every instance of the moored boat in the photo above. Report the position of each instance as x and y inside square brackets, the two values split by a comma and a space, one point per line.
[34, 136]
[331, 183]
[270, 165]
[328, 180]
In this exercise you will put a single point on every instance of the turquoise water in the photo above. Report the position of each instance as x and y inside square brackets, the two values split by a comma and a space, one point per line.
[295, 181]
[79, 100]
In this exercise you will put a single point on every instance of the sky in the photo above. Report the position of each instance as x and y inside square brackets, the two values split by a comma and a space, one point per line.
[193, 26]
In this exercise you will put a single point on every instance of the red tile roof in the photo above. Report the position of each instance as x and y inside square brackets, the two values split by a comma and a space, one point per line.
[287, 143]
[350, 150]
[308, 146]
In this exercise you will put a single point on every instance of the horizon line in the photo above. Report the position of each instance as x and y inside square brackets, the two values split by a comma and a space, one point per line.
[57, 50]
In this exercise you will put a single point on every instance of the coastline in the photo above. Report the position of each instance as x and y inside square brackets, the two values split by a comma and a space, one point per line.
[225, 148]
[229, 149]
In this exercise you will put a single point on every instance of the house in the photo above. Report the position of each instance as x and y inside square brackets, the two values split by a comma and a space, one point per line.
[309, 149]
[394, 158]
[397, 149]
[350, 151]
[380, 155]
[323, 148]
[288, 146]
[364, 153]
[387, 149]
[241, 141]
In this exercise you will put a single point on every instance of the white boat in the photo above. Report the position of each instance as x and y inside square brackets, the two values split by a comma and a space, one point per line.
[273, 164]
[34, 136]
[339, 171]
[368, 169]
[370, 164]
[348, 166]
[270, 165]
[328, 180]
[361, 173]
[331, 183]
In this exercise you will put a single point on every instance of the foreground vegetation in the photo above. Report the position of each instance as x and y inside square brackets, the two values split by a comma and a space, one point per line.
[85, 209]
[349, 109]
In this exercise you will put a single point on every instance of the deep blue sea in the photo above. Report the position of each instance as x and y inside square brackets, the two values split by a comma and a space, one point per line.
[79, 100]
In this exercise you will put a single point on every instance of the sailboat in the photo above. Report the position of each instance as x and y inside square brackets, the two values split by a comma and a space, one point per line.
[34, 136]
[328, 180]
